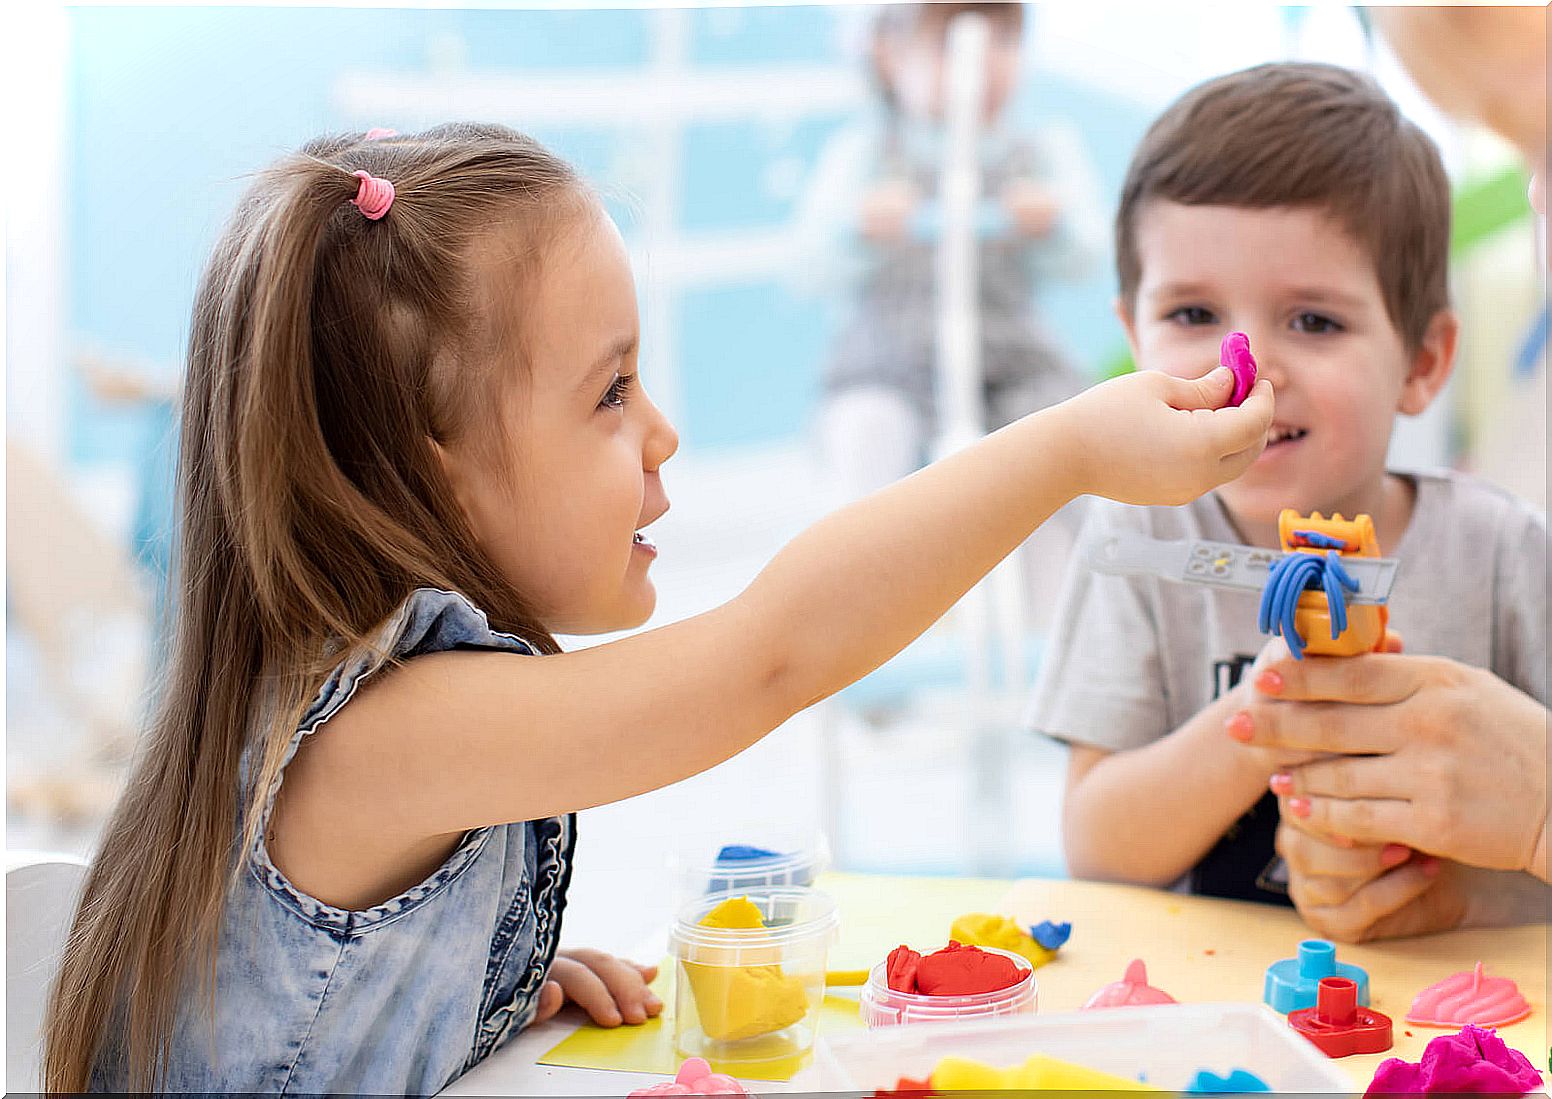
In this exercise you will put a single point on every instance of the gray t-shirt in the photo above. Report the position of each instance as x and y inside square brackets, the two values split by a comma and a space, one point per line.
[1134, 658]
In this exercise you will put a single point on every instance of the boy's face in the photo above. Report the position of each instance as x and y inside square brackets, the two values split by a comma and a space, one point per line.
[1309, 299]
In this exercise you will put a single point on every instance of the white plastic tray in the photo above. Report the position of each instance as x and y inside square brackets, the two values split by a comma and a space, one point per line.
[1164, 1046]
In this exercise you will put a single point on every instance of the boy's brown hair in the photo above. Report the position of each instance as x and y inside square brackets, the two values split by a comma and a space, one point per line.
[1300, 134]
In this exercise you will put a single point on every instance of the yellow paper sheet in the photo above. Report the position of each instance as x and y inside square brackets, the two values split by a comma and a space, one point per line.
[877, 914]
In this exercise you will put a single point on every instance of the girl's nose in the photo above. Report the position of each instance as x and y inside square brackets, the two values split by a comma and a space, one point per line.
[662, 439]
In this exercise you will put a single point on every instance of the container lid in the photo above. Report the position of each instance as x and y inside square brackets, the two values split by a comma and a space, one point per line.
[794, 916]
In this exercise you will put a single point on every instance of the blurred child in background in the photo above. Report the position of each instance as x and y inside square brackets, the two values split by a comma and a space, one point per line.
[875, 197]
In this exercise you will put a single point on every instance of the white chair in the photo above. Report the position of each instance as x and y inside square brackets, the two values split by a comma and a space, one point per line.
[40, 898]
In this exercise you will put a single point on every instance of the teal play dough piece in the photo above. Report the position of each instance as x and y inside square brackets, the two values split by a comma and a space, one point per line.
[1238, 1082]
[1291, 983]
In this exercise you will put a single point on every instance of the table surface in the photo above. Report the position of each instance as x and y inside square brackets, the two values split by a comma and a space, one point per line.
[1197, 949]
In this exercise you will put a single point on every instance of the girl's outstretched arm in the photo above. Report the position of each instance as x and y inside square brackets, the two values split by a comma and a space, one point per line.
[453, 741]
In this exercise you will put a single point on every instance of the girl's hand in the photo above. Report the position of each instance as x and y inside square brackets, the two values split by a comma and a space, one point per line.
[611, 990]
[1149, 438]
[1439, 756]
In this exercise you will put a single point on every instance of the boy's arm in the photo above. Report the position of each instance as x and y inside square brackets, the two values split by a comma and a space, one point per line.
[1147, 815]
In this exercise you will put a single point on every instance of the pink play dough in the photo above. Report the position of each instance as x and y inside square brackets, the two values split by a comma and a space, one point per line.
[1234, 353]
[1475, 1060]
[695, 1078]
[1469, 998]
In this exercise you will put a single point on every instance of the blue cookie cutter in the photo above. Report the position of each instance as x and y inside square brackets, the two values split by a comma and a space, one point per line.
[1291, 983]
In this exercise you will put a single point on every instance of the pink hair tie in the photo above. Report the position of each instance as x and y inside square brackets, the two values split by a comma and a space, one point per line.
[377, 133]
[374, 196]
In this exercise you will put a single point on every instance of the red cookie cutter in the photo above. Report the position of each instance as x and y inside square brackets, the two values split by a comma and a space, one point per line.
[1338, 1025]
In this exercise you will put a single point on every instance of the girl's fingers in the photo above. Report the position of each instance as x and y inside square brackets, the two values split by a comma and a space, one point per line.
[551, 999]
[1332, 727]
[1305, 854]
[1363, 820]
[587, 990]
[1345, 777]
[626, 982]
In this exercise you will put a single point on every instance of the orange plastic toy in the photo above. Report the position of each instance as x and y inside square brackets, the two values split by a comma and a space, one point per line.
[1354, 537]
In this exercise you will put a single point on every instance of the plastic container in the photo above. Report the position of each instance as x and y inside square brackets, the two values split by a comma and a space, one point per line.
[1162, 1046]
[795, 861]
[882, 1006]
[749, 998]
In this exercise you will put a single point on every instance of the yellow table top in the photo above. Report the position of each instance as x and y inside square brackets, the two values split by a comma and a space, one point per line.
[1203, 949]
[1197, 949]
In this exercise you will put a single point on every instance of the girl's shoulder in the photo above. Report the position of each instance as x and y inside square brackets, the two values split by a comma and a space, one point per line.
[430, 620]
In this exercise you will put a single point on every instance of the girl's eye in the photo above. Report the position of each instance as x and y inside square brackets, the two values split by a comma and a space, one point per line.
[1315, 324]
[619, 390]
[1191, 315]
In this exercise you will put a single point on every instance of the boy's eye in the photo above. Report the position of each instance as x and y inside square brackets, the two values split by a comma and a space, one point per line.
[1315, 324]
[619, 390]
[1191, 315]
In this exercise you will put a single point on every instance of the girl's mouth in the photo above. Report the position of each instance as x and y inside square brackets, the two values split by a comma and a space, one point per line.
[644, 543]
[1284, 434]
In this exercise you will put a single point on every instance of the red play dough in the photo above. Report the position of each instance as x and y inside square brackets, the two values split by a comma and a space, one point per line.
[953, 971]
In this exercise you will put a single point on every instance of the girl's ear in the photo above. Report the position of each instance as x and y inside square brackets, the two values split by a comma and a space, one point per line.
[455, 467]
[1431, 364]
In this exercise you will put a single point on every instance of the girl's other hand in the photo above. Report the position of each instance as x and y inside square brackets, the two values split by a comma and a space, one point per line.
[611, 990]
[1149, 438]
[887, 209]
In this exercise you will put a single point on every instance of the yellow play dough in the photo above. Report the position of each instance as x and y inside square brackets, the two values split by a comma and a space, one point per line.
[743, 1001]
[1039, 1073]
[981, 929]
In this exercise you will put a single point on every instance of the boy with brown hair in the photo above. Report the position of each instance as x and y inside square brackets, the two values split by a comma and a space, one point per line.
[1294, 203]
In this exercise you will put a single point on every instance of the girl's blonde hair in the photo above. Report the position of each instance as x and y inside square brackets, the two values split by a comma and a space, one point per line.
[327, 354]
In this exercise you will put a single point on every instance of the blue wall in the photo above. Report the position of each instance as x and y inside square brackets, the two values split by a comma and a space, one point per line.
[173, 107]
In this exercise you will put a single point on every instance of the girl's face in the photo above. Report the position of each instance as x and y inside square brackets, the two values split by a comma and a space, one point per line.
[558, 501]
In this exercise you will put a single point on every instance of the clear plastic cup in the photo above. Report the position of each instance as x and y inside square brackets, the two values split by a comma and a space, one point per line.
[754, 862]
[747, 998]
[882, 1006]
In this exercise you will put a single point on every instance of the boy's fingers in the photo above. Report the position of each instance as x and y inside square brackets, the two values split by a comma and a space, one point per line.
[587, 990]
[1355, 919]
[1306, 854]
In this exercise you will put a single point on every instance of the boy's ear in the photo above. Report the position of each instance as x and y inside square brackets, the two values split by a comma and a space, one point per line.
[1431, 364]
[1128, 318]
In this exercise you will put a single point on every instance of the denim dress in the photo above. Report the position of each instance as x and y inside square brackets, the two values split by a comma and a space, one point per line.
[397, 999]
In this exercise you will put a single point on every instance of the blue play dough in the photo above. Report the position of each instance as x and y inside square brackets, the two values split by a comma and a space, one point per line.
[1050, 935]
[738, 852]
[1290, 575]
[1291, 983]
[1237, 1082]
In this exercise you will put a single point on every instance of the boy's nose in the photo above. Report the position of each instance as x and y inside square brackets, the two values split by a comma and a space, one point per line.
[1270, 362]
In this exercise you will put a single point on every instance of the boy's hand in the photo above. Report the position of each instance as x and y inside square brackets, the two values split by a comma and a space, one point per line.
[1354, 894]
[887, 208]
[1149, 438]
[1432, 754]
[1032, 208]
[611, 990]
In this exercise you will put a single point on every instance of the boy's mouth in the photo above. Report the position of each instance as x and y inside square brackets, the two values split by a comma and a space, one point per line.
[1283, 433]
[642, 540]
